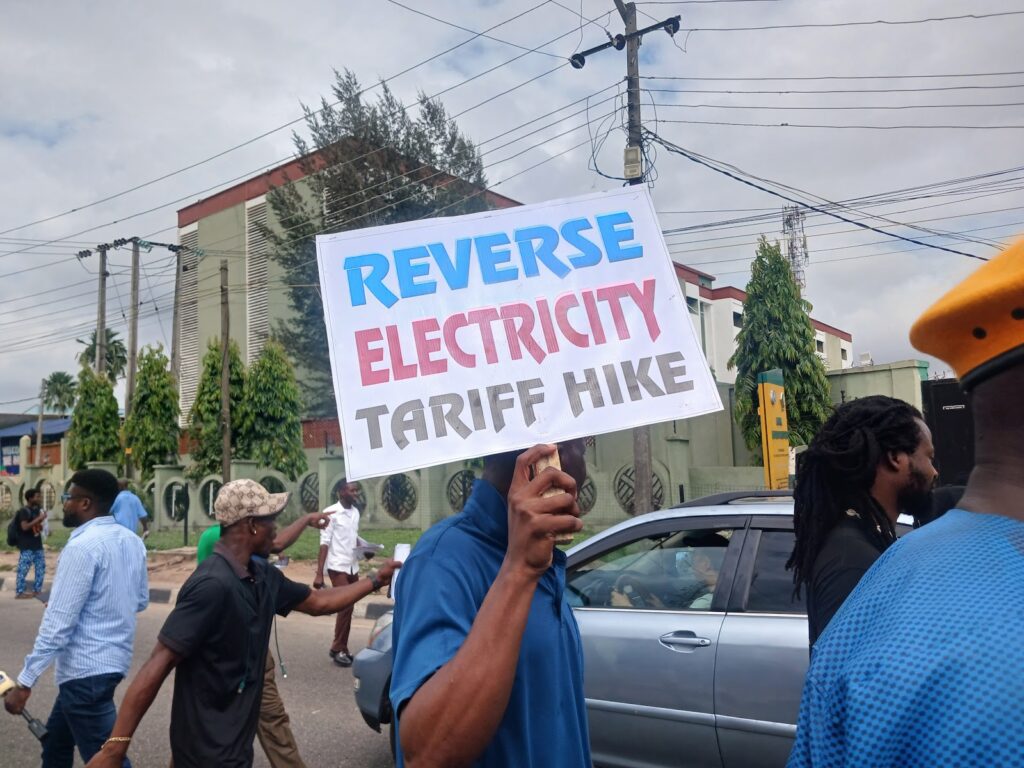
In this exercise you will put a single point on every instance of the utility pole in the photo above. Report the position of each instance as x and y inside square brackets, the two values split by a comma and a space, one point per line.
[133, 345]
[101, 313]
[39, 425]
[176, 319]
[225, 373]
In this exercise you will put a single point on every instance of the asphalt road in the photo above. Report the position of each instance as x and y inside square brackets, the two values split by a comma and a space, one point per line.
[317, 694]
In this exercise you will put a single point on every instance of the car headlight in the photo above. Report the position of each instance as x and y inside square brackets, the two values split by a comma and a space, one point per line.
[381, 624]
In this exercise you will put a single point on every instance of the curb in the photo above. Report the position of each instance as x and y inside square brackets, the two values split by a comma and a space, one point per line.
[372, 607]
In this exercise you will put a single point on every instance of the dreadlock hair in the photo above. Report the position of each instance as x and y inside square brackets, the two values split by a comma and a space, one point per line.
[837, 470]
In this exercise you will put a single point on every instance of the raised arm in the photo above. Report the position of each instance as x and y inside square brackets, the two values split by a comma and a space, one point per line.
[290, 534]
[453, 716]
[137, 701]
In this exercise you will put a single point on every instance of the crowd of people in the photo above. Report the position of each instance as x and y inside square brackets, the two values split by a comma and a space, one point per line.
[915, 642]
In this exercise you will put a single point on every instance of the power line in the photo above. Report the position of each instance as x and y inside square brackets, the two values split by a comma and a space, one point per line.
[673, 148]
[816, 91]
[858, 108]
[764, 78]
[474, 32]
[851, 127]
[835, 24]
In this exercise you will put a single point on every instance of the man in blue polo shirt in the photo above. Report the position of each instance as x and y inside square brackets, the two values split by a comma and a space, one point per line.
[488, 664]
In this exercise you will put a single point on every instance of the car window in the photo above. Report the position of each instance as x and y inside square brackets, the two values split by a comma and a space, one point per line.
[771, 585]
[674, 571]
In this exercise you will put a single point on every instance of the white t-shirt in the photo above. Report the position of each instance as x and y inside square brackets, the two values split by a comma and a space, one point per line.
[341, 536]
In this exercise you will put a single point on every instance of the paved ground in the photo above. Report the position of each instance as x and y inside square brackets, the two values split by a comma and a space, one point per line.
[317, 695]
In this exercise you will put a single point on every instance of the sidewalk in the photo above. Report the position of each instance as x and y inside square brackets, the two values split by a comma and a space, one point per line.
[169, 569]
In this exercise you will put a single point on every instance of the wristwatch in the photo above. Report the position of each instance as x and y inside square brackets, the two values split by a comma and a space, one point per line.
[375, 582]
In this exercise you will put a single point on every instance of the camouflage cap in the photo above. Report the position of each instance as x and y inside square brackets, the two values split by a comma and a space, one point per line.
[240, 499]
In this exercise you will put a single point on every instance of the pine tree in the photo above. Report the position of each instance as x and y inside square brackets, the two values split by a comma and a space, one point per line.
[374, 164]
[204, 425]
[777, 333]
[95, 424]
[151, 431]
[269, 421]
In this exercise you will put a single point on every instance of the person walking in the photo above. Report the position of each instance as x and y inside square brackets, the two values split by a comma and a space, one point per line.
[924, 664]
[29, 521]
[871, 461]
[88, 627]
[216, 638]
[273, 729]
[129, 511]
[488, 662]
[338, 542]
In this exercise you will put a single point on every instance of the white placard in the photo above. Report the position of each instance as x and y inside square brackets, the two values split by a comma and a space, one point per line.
[452, 338]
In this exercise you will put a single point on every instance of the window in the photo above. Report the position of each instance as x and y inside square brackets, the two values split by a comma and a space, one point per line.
[819, 345]
[845, 355]
[737, 319]
[674, 571]
[771, 585]
[692, 305]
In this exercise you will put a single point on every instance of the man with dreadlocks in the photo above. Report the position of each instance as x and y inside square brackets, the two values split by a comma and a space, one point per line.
[924, 665]
[871, 461]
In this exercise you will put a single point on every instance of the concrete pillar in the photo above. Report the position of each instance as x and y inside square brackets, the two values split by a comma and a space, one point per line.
[24, 444]
[328, 469]
[244, 469]
[109, 466]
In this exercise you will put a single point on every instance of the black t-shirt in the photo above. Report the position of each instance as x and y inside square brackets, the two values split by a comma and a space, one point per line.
[28, 540]
[847, 555]
[221, 625]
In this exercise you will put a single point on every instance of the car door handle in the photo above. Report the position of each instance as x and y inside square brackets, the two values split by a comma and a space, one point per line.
[684, 639]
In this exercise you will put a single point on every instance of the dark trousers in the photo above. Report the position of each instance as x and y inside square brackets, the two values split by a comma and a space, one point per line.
[83, 715]
[274, 728]
[343, 624]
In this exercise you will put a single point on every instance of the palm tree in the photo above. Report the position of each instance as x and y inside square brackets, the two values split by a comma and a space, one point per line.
[117, 354]
[59, 392]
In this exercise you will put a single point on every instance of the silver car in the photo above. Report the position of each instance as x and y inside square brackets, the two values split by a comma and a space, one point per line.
[695, 650]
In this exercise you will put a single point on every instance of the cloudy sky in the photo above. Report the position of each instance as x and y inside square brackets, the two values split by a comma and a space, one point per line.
[112, 111]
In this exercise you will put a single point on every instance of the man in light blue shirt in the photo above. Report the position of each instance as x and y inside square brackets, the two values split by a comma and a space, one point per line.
[128, 510]
[88, 628]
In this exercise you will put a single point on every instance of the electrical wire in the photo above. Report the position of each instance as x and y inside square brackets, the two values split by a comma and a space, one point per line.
[884, 22]
[850, 127]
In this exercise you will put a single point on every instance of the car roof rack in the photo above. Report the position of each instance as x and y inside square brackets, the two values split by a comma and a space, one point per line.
[731, 497]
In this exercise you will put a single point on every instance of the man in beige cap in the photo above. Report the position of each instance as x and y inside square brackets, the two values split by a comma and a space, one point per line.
[216, 637]
[924, 663]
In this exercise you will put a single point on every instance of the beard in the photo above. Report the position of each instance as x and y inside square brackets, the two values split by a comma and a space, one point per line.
[916, 498]
[71, 520]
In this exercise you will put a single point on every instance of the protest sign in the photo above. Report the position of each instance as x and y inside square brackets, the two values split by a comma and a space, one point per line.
[458, 337]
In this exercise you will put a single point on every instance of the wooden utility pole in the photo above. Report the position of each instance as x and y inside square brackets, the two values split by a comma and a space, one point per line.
[225, 373]
[101, 313]
[175, 332]
[133, 345]
[642, 489]
[39, 425]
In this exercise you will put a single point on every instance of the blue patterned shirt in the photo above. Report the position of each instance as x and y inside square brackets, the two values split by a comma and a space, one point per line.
[89, 624]
[924, 663]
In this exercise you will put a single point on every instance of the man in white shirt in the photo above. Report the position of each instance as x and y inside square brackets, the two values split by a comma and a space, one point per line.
[338, 542]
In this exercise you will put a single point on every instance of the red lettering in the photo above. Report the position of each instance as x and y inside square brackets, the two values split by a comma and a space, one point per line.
[524, 333]
[562, 306]
[483, 318]
[399, 369]
[367, 357]
[425, 346]
[458, 354]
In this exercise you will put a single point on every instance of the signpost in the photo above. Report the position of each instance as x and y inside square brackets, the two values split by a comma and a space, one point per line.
[771, 394]
[452, 338]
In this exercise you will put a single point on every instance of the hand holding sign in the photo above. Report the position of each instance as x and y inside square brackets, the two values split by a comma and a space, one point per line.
[536, 517]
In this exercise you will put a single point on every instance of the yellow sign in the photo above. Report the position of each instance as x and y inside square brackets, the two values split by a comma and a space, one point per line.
[771, 394]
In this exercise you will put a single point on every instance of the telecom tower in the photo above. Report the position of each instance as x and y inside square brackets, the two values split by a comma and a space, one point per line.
[796, 243]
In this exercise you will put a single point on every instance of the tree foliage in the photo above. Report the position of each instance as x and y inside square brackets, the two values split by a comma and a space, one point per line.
[151, 431]
[269, 421]
[777, 333]
[95, 423]
[204, 424]
[366, 164]
[59, 392]
[116, 353]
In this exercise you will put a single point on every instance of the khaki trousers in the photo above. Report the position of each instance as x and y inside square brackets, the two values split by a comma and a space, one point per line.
[343, 623]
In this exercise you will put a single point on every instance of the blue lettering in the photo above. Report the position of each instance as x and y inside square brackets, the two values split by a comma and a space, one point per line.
[590, 254]
[357, 283]
[407, 272]
[456, 273]
[545, 251]
[613, 237]
[490, 254]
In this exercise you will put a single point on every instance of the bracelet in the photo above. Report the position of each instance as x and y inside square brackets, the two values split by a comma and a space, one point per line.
[375, 582]
[118, 739]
